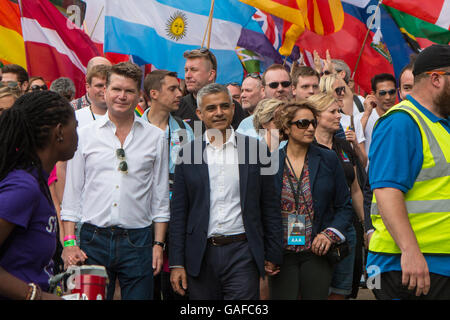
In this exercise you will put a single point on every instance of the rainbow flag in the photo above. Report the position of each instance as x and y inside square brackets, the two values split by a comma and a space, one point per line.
[12, 48]
[139, 111]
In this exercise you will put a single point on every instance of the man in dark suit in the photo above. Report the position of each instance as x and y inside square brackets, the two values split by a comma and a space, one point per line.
[200, 69]
[225, 229]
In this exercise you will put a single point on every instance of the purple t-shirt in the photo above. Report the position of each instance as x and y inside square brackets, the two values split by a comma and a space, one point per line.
[32, 243]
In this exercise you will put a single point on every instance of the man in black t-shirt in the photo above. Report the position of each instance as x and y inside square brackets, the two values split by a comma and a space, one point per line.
[201, 69]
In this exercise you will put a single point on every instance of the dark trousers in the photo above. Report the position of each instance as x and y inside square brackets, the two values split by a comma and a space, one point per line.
[301, 274]
[391, 288]
[126, 254]
[228, 272]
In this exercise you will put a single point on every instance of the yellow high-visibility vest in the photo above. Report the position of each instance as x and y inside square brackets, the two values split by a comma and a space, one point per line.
[428, 201]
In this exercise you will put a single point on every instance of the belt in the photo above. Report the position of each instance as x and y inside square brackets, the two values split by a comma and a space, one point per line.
[224, 240]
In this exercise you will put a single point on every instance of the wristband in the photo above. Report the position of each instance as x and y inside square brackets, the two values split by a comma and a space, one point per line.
[70, 243]
[71, 237]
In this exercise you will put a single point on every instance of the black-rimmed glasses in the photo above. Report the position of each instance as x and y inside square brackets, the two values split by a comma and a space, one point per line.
[275, 84]
[123, 166]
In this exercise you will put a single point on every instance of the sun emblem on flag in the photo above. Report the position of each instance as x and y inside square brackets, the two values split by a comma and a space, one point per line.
[176, 26]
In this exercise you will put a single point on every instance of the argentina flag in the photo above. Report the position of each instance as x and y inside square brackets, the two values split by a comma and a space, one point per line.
[160, 31]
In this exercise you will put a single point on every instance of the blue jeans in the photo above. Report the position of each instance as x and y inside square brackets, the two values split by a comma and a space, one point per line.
[126, 254]
[342, 280]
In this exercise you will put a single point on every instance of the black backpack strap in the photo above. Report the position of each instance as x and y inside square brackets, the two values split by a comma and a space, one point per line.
[359, 105]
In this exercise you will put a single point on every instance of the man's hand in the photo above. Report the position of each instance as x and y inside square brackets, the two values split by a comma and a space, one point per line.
[157, 262]
[415, 272]
[271, 268]
[73, 255]
[177, 276]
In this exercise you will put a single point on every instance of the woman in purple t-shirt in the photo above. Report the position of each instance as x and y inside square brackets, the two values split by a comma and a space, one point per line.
[38, 131]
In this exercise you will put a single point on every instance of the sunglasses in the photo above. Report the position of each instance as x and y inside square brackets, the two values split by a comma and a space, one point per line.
[339, 90]
[203, 51]
[10, 84]
[275, 84]
[304, 123]
[38, 88]
[391, 92]
[123, 166]
[253, 75]
[326, 73]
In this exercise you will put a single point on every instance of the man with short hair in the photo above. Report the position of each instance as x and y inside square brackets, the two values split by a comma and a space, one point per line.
[65, 87]
[200, 69]
[225, 228]
[384, 87]
[305, 81]
[118, 188]
[410, 176]
[406, 81]
[277, 83]
[252, 92]
[7, 98]
[235, 90]
[85, 101]
[13, 73]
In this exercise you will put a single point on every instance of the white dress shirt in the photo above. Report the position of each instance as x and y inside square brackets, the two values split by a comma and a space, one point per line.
[85, 116]
[96, 192]
[225, 200]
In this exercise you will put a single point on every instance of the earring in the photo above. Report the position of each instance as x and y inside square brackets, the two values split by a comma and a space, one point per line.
[60, 139]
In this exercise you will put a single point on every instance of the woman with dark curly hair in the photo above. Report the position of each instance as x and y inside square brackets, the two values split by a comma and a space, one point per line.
[35, 133]
[315, 205]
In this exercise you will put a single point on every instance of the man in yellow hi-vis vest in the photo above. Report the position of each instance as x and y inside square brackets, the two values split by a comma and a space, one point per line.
[410, 175]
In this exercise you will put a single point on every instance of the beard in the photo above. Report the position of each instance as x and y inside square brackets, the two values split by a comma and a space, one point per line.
[442, 101]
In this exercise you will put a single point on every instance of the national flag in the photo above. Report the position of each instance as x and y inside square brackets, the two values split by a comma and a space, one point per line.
[420, 32]
[159, 32]
[436, 12]
[319, 16]
[55, 47]
[12, 49]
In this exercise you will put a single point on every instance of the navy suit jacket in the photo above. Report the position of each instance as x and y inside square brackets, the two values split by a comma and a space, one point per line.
[330, 193]
[190, 207]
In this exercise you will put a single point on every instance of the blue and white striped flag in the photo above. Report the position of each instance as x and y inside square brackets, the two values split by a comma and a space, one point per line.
[160, 31]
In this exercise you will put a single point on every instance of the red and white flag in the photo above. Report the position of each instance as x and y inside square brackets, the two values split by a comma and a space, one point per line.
[55, 47]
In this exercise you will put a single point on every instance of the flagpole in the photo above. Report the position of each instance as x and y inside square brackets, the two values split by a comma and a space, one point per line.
[95, 25]
[208, 26]
[365, 38]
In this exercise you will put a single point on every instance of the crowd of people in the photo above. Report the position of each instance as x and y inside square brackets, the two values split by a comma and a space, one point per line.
[288, 185]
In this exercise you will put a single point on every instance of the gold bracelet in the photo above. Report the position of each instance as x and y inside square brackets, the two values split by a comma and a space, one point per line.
[31, 295]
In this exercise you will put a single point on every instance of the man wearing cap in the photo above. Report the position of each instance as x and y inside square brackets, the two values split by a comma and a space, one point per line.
[410, 175]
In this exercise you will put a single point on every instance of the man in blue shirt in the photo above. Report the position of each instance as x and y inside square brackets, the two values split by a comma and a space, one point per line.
[396, 160]
[163, 89]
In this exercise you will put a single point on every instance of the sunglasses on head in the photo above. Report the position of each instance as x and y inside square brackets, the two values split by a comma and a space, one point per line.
[391, 92]
[254, 75]
[339, 90]
[203, 51]
[304, 123]
[123, 166]
[275, 84]
[38, 88]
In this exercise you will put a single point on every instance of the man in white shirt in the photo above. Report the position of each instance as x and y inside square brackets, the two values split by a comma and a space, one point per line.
[225, 229]
[120, 171]
[384, 97]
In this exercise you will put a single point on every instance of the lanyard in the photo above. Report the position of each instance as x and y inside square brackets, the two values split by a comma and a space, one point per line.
[297, 192]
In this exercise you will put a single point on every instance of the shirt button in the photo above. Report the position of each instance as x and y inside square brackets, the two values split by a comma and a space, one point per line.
[117, 187]
[115, 204]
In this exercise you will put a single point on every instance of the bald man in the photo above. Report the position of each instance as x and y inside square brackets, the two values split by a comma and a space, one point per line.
[85, 101]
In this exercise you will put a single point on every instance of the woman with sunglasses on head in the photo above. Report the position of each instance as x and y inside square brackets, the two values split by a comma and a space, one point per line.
[354, 133]
[36, 84]
[327, 124]
[35, 133]
[315, 206]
